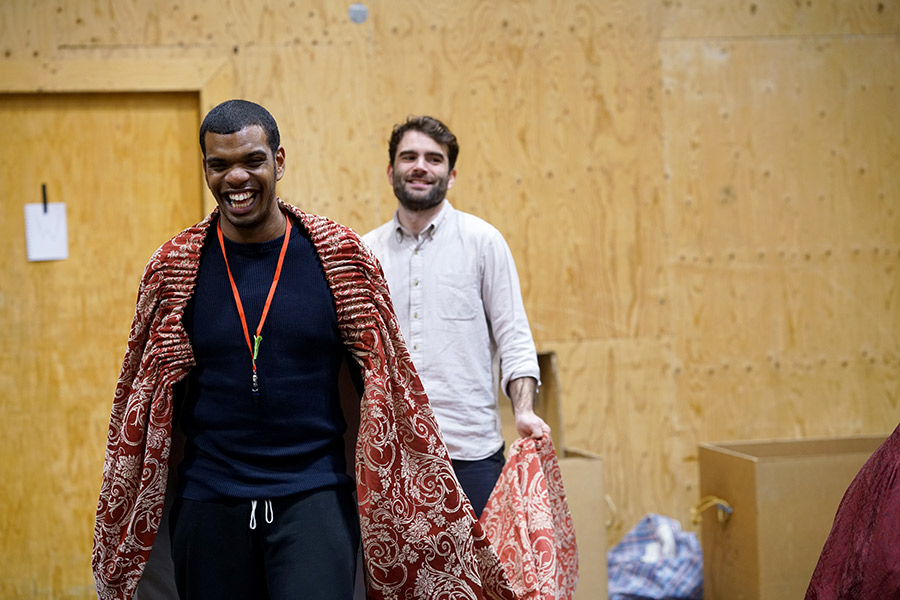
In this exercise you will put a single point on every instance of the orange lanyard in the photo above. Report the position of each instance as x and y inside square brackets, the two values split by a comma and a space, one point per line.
[254, 347]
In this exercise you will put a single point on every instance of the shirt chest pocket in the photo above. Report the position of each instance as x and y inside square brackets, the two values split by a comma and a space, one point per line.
[458, 300]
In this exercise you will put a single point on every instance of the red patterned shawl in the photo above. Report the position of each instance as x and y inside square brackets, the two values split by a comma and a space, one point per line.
[528, 522]
[420, 536]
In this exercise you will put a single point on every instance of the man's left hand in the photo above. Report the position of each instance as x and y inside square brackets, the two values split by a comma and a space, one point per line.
[528, 424]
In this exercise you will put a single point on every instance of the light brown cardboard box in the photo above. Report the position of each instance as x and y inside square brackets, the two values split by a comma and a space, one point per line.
[784, 494]
[582, 474]
[583, 478]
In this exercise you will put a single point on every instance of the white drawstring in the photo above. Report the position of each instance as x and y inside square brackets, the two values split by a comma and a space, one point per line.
[270, 512]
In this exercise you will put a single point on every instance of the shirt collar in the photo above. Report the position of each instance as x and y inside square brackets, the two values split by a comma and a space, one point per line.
[431, 230]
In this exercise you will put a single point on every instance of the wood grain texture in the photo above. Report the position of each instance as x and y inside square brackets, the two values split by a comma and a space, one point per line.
[785, 233]
[701, 197]
[703, 19]
[66, 322]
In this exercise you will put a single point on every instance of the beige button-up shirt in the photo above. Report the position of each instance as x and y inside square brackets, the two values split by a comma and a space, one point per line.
[456, 293]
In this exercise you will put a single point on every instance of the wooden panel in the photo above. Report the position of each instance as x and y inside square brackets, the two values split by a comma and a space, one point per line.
[111, 75]
[161, 23]
[127, 169]
[789, 152]
[25, 31]
[768, 18]
[770, 313]
[785, 233]
[791, 396]
[619, 401]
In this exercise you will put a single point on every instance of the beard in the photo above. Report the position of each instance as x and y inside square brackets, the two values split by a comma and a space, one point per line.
[420, 202]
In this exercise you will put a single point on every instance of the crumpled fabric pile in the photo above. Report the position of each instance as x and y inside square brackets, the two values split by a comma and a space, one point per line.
[656, 560]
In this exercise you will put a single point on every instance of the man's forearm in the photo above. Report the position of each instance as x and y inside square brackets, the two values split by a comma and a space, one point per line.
[522, 392]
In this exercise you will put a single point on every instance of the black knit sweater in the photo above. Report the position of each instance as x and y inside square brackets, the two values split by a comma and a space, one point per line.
[289, 437]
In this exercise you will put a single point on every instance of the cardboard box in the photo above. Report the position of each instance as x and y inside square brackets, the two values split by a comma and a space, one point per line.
[582, 474]
[784, 495]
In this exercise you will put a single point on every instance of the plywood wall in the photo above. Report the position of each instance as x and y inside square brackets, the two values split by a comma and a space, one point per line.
[65, 323]
[702, 197]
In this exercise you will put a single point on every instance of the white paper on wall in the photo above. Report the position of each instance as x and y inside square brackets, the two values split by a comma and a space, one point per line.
[46, 233]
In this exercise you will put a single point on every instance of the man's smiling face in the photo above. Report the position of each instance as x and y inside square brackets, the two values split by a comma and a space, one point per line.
[241, 173]
[420, 173]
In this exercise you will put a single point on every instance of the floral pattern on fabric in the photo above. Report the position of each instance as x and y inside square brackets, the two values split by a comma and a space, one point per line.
[528, 521]
[420, 536]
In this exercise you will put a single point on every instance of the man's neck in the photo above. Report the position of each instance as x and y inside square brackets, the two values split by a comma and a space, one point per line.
[415, 221]
[271, 229]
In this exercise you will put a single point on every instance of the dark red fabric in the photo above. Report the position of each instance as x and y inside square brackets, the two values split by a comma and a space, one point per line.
[861, 557]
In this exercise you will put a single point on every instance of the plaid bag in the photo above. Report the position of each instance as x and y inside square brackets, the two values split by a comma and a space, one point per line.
[656, 560]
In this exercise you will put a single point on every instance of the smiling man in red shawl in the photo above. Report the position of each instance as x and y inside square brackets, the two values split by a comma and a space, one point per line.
[242, 325]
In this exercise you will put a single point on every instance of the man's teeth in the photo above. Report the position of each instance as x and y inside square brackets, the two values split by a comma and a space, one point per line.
[240, 200]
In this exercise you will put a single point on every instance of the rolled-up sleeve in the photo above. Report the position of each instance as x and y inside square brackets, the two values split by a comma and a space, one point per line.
[505, 311]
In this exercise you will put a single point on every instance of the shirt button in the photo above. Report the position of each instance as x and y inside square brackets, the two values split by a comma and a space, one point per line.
[416, 347]
[415, 315]
[416, 283]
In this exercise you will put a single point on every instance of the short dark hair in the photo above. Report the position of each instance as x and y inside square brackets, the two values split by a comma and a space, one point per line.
[233, 115]
[431, 127]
